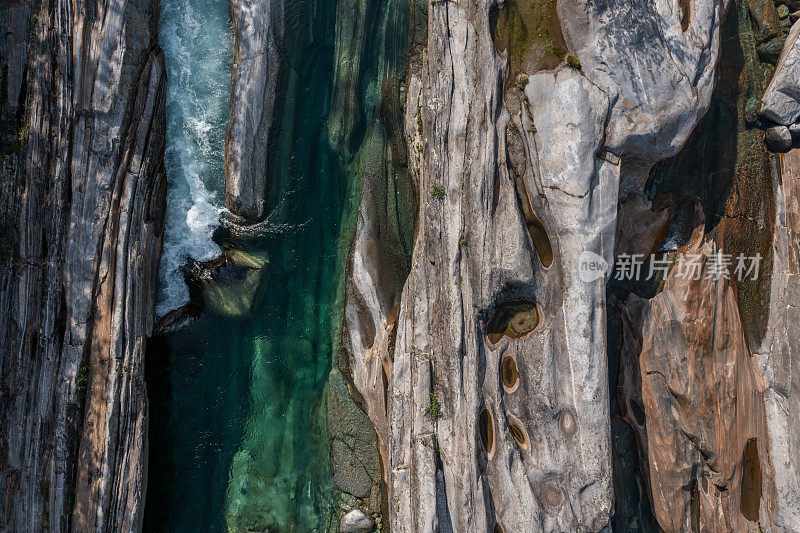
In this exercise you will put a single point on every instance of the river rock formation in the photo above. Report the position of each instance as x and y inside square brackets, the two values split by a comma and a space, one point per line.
[83, 190]
[499, 161]
[260, 50]
[488, 384]
[781, 102]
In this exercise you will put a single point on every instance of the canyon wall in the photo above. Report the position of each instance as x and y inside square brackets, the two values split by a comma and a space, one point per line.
[532, 135]
[81, 219]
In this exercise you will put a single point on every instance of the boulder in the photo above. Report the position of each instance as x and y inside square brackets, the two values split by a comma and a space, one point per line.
[355, 522]
[778, 138]
[781, 101]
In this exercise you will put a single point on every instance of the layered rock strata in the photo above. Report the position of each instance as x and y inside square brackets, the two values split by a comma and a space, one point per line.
[776, 354]
[260, 52]
[83, 190]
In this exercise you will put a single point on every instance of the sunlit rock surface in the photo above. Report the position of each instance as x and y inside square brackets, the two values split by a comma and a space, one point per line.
[781, 102]
[474, 157]
[516, 178]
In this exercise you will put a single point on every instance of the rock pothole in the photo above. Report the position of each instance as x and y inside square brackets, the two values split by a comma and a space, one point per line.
[517, 162]
[509, 372]
[750, 501]
[486, 430]
[568, 423]
[518, 431]
[513, 320]
[551, 496]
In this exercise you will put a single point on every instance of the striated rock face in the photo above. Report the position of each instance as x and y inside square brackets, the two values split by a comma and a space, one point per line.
[697, 401]
[777, 352]
[488, 385]
[81, 215]
[260, 50]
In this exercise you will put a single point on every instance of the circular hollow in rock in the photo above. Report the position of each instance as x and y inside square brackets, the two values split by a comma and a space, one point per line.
[486, 430]
[518, 431]
[551, 495]
[514, 319]
[509, 372]
[568, 423]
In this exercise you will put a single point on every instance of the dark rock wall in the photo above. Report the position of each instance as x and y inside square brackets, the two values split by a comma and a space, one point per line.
[81, 218]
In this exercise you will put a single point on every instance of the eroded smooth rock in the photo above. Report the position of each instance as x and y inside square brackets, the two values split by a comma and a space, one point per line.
[355, 522]
[781, 101]
[706, 433]
[552, 156]
[778, 138]
[777, 353]
[259, 56]
[659, 77]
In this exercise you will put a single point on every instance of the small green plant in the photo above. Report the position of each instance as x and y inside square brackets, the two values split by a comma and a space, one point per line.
[434, 408]
[437, 192]
[82, 381]
[32, 26]
[573, 61]
[419, 122]
[23, 131]
[5, 254]
[462, 241]
[522, 81]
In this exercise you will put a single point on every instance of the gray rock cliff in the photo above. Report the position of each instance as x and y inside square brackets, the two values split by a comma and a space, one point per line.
[517, 178]
[81, 218]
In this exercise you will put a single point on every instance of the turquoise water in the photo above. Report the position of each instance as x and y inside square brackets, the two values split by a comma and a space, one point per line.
[237, 436]
[237, 431]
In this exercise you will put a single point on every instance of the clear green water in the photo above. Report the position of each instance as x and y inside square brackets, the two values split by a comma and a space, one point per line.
[237, 437]
[237, 430]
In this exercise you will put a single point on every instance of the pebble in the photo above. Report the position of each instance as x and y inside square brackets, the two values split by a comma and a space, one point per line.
[355, 522]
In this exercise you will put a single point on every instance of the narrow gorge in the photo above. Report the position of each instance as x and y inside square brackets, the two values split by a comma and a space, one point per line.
[399, 265]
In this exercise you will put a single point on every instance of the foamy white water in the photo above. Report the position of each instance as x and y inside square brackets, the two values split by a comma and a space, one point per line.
[198, 47]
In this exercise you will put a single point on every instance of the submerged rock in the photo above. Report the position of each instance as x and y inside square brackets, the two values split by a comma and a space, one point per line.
[227, 285]
[354, 453]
